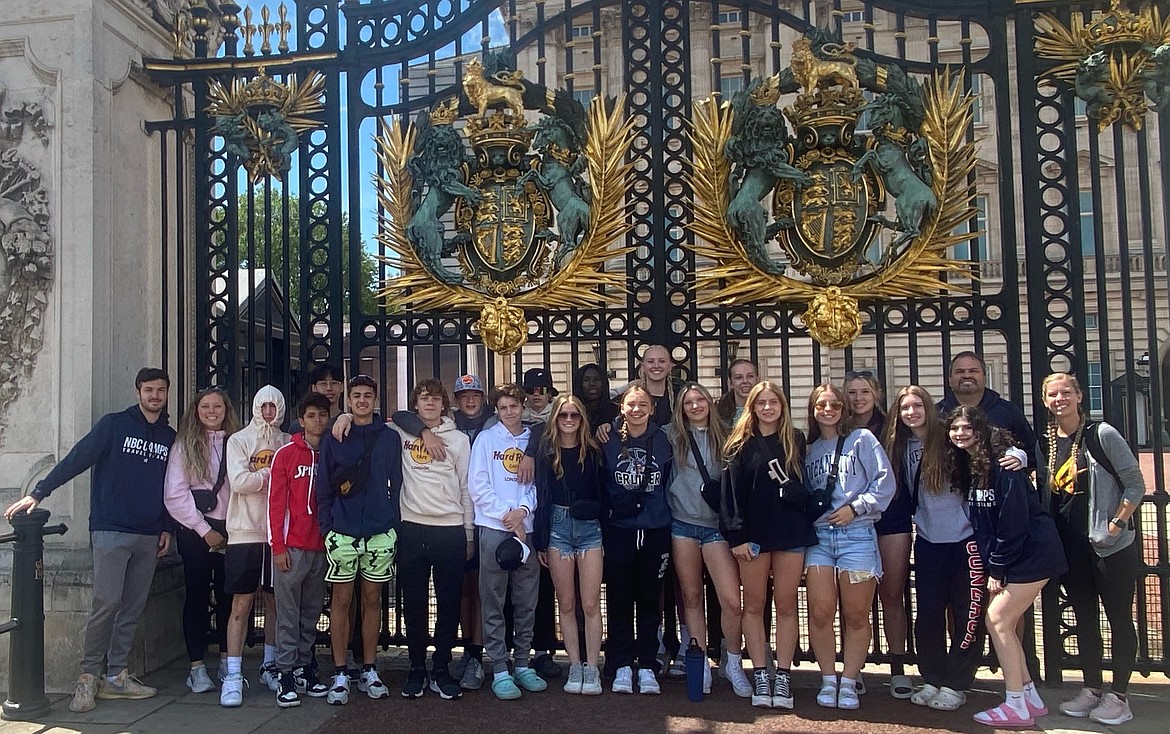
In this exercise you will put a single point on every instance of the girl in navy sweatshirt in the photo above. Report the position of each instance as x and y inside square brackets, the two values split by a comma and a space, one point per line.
[637, 463]
[1018, 545]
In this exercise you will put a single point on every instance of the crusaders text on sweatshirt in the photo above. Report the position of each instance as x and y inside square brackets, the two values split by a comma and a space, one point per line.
[434, 493]
[292, 498]
[495, 458]
[128, 455]
[623, 473]
[865, 479]
[373, 508]
[249, 458]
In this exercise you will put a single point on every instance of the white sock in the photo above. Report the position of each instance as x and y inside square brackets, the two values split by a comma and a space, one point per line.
[501, 675]
[684, 636]
[1032, 696]
[235, 665]
[848, 682]
[829, 680]
[520, 669]
[269, 654]
[1016, 702]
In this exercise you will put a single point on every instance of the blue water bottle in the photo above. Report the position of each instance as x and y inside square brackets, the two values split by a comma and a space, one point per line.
[695, 663]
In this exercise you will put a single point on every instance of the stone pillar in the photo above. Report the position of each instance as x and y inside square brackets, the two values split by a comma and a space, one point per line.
[83, 311]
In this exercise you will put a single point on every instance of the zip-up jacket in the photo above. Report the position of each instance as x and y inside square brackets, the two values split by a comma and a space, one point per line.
[249, 458]
[128, 455]
[623, 473]
[292, 498]
[177, 495]
[434, 493]
[1016, 536]
[495, 458]
[374, 508]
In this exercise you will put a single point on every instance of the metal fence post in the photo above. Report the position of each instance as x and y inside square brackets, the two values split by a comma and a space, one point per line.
[26, 657]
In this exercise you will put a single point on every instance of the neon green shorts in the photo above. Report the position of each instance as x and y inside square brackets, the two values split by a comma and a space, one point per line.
[373, 557]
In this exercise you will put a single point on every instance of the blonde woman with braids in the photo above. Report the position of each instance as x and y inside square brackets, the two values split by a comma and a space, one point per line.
[196, 496]
[1096, 486]
[1019, 548]
[567, 533]
[765, 520]
[637, 463]
[850, 469]
[695, 539]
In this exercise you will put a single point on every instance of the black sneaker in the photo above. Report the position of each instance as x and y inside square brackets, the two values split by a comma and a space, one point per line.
[416, 683]
[286, 692]
[546, 667]
[446, 686]
[782, 691]
[309, 684]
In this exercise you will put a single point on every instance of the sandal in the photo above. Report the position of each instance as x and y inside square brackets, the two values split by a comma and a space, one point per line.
[827, 696]
[948, 699]
[847, 698]
[1004, 717]
[901, 687]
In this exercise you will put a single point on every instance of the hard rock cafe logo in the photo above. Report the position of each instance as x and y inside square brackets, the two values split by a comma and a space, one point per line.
[418, 452]
[536, 205]
[262, 460]
[813, 197]
[511, 459]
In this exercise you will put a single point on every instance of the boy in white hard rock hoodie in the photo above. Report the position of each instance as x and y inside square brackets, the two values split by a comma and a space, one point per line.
[248, 559]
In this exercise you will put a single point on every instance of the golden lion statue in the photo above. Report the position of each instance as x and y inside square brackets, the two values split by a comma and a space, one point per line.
[811, 73]
[504, 88]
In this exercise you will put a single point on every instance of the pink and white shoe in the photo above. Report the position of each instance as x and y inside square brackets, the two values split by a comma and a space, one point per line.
[1004, 717]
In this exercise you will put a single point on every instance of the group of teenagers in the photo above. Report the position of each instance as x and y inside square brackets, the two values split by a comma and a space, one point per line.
[475, 494]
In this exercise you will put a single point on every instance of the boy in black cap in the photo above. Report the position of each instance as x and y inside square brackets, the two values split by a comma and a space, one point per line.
[538, 387]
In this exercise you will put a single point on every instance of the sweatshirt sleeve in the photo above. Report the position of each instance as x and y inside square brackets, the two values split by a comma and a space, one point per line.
[479, 482]
[1011, 529]
[732, 500]
[462, 459]
[880, 487]
[177, 495]
[1129, 471]
[536, 433]
[1022, 430]
[278, 493]
[324, 485]
[87, 452]
[242, 478]
[540, 523]
[408, 421]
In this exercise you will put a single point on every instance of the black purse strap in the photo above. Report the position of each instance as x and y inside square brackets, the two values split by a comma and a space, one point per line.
[222, 468]
[835, 469]
[698, 457]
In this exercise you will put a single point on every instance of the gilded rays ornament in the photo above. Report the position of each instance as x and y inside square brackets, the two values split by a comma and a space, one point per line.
[537, 206]
[797, 189]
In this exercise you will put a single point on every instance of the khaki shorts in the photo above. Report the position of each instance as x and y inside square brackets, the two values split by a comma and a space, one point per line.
[372, 557]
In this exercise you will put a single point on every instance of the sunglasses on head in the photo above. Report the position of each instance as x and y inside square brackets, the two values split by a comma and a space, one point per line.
[867, 374]
[362, 381]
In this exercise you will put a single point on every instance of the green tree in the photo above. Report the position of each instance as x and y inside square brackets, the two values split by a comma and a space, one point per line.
[269, 251]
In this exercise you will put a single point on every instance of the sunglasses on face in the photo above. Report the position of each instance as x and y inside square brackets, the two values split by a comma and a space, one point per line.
[569, 415]
[834, 405]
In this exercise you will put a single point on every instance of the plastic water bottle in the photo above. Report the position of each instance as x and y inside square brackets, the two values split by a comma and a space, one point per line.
[695, 663]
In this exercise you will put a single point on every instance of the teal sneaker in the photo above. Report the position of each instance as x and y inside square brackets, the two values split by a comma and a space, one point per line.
[505, 689]
[528, 679]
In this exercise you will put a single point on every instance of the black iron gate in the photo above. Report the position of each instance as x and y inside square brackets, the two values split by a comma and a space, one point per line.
[264, 280]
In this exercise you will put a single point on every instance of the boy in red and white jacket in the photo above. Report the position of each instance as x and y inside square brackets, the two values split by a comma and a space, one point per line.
[298, 553]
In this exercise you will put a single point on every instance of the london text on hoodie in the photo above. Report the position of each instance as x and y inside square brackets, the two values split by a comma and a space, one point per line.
[249, 457]
[495, 459]
[128, 455]
[292, 498]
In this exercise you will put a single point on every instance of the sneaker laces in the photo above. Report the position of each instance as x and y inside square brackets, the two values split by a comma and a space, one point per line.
[762, 687]
[783, 687]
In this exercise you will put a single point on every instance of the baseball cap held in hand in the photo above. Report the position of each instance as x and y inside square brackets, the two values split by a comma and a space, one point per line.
[512, 553]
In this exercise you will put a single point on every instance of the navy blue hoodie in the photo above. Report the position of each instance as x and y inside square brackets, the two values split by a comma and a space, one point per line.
[1001, 414]
[374, 509]
[624, 474]
[128, 455]
[1016, 537]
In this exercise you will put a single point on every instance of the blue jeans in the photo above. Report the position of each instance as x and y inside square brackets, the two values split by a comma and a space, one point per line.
[689, 531]
[851, 548]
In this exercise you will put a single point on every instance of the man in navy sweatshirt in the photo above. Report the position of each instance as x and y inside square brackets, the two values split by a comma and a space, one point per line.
[358, 491]
[967, 381]
[128, 527]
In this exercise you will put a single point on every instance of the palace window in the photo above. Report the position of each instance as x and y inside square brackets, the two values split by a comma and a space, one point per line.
[729, 85]
[581, 31]
[727, 17]
[1096, 401]
[1088, 223]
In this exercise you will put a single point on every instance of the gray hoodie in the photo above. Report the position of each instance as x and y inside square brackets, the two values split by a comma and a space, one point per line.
[683, 492]
[865, 480]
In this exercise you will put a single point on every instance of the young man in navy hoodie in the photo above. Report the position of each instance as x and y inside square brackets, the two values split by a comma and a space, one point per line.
[359, 518]
[129, 531]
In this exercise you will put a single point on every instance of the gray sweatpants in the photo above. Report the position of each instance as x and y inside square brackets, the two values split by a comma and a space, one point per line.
[123, 568]
[300, 594]
[493, 588]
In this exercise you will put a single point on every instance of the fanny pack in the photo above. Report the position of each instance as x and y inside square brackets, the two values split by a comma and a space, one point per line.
[206, 500]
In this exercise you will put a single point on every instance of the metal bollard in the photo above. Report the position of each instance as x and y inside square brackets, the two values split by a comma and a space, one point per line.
[26, 656]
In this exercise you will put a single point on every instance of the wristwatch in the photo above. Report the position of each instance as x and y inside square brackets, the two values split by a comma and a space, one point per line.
[1118, 522]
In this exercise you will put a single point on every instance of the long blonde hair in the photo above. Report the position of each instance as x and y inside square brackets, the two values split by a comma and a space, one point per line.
[191, 436]
[748, 424]
[897, 435]
[584, 436]
[716, 433]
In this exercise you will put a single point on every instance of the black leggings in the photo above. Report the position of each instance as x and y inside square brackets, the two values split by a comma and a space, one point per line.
[202, 571]
[1113, 579]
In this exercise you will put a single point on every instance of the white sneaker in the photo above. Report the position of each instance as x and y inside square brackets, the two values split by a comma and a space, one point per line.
[738, 680]
[371, 684]
[199, 681]
[576, 678]
[648, 682]
[706, 677]
[1111, 711]
[623, 682]
[270, 676]
[590, 680]
[339, 692]
[231, 693]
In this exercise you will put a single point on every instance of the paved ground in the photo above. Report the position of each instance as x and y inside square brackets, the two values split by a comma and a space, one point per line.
[175, 710]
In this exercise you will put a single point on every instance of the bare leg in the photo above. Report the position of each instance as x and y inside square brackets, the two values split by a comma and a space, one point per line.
[1003, 613]
[340, 621]
[822, 610]
[856, 603]
[688, 568]
[753, 575]
[589, 569]
[787, 569]
[724, 573]
[371, 620]
[563, 570]
[238, 623]
[895, 553]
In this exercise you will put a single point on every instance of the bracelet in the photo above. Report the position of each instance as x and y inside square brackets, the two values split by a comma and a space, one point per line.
[1118, 522]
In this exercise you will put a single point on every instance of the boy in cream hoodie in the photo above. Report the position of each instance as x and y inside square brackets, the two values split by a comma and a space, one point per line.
[248, 559]
[436, 536]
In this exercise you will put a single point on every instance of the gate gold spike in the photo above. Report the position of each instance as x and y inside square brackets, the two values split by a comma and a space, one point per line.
[180, 26]
[283, 28]
[248, 31]
[266, 30]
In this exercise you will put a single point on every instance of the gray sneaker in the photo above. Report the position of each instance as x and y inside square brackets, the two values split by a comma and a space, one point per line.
[590, 680]
[199, 681]
[472, 678]
[576, 678]
[124, 685]
[83, 694]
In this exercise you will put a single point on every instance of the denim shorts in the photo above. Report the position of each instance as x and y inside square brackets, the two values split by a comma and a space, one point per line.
[851, 548]
[690, 531]
[570, 536]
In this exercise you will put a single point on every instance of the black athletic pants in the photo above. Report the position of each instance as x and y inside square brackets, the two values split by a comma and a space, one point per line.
[202, 572]
[423, 549]
[635, 564]
[949, 577]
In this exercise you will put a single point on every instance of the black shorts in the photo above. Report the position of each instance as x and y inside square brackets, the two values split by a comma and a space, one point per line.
[897, 518]
[247, 567]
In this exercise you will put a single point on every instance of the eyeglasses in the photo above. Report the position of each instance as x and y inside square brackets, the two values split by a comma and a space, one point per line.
[834, 405]
[569, 415]
[863, 374]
